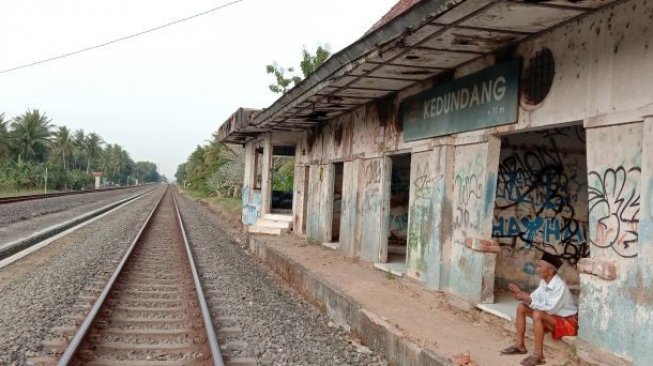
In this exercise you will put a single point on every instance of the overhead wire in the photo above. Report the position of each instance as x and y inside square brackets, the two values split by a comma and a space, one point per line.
[123, 38]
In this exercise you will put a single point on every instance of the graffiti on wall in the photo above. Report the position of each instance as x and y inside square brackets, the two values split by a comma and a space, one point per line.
[373, 171]
[614, 201]
[469, 190]
[420, 212]
[537, 191]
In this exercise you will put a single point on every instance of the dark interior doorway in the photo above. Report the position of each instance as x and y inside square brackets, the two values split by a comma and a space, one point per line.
[399, 198]
[337, 201]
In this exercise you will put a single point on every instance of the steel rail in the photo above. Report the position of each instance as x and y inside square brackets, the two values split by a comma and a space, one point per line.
[76, 342]
[206, 314]
[31, 197]
[82, 332]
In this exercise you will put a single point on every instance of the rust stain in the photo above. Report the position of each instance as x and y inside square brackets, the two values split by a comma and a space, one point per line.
[337, 134]
[481, 41]
[385, 109]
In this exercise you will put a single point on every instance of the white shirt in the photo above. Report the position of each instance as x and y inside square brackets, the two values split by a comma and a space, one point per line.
[554, 298]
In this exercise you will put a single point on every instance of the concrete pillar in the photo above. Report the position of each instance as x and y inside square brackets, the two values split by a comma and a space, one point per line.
[266, 184]
[97, 181]
[644, 307]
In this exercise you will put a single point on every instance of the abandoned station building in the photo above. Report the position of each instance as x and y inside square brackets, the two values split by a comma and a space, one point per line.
[458, 140]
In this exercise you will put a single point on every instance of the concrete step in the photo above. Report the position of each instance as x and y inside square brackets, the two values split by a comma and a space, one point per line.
[273, 223]
[264, 230]
[277, 217]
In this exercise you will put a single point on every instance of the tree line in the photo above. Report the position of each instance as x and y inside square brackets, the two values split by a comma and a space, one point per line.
[30, 143]
[213, 169]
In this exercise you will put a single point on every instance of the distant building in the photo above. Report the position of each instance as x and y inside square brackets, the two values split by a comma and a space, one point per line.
[458, 140]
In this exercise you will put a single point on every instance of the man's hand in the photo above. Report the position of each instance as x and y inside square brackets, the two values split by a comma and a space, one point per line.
[513, 288]
[518, 294]
[523, 297]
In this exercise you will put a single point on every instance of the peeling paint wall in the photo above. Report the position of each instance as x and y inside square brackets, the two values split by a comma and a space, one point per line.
[541, 204]
[643, 342]
[429, 215]
[472, 272]
[251, 198]
[349, 221]
[599, 61]
[607, 308]
[299, 193]
[374, 186]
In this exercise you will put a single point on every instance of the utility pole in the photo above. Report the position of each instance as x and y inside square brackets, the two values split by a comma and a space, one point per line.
[46, 180]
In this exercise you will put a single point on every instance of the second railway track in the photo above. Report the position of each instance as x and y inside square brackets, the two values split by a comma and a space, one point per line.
[152, 311]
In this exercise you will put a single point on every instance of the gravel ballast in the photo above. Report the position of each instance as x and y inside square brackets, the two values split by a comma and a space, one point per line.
[278, 326]
[33, 302]
[28, 210]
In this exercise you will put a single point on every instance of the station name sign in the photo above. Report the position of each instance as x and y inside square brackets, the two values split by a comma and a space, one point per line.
[487, 98]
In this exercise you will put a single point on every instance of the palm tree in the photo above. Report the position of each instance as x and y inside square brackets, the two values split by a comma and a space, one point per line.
[92, 148]
[62, 144]
[78, 148]
[31, 133]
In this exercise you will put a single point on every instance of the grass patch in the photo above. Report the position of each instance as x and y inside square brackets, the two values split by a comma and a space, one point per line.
[197, 194]
[390, 276]
[230, 204]
[313, 241]
[233, 205]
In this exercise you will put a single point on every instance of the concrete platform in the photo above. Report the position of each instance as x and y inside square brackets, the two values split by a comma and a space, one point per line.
[408, 323]
[254, 229]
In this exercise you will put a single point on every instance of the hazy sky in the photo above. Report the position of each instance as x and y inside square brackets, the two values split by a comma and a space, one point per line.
[163, 93]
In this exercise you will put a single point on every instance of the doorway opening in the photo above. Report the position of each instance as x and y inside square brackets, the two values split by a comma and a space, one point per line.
[397, 232]
[541, 205]
[283, 172]
[336, 212]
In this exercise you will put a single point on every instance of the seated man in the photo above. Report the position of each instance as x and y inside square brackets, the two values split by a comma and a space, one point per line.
[551, 306]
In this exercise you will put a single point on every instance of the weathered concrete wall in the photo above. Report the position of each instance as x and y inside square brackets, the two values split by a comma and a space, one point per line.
[602, 68]
[251, 199]
[475, 172]
[351, 214]
[300, 186]
[320, 203]
[607, 308]
[541, 204]
[643, 341]
[373, 229]
[430, 215]
[266, 184]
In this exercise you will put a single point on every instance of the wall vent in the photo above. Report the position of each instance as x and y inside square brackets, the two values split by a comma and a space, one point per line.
[538, 77]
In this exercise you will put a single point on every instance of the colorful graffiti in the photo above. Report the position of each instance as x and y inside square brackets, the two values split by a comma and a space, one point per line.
[614, 201]
[537, 191]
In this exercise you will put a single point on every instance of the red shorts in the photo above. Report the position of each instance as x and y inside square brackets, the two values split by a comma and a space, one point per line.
[567, 326]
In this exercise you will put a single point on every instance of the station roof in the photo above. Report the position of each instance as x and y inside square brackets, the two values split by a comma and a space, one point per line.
[419, 41]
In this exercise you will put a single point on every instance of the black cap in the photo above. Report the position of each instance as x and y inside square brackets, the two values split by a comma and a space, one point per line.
[552, 259]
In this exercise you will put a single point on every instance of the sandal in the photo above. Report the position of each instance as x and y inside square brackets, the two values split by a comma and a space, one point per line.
[513, 350]
[532, 360]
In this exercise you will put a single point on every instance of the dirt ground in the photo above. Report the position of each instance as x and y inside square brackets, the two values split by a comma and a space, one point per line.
[426, 317]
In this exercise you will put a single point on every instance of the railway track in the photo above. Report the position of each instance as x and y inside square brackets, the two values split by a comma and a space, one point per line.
[31, 197]
[152, 310]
